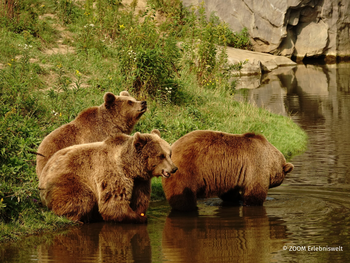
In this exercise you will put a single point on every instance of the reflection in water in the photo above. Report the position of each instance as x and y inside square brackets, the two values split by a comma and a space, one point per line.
[311, 207]
[230, 233]
[103, 242]
[315, 200]
[318, 99]
[100, 242]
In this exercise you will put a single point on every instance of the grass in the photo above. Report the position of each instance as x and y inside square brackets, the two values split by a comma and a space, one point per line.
[59, 57]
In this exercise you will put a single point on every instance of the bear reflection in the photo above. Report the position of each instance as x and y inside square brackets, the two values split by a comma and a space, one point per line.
[232, 234]
[100, 242]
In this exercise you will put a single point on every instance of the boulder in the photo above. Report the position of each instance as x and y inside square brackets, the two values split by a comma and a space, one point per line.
[292, 28]
[255, 62]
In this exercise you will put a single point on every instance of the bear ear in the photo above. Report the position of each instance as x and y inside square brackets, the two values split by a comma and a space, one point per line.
[109, 98]
[156, 132]
[288, 167]
[124, 93]
[140, 140]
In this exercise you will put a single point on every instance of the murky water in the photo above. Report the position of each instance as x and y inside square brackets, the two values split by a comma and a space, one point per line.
[308, 213]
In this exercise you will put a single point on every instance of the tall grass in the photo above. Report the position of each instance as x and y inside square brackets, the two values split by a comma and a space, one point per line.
[59, 57]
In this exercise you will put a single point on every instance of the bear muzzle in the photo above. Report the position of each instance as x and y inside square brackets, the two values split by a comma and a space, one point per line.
[143, 106]
[166, 174]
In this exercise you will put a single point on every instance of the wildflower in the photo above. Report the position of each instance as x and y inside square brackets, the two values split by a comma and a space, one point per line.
[2, 200]
[77, 73]
[92, 25]
[60, 114]
[9, 64]
[59, 65]
[121, 26]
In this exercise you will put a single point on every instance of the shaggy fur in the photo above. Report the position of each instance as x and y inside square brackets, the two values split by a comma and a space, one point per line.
[230, 166]
[116, 114]
[109, 180]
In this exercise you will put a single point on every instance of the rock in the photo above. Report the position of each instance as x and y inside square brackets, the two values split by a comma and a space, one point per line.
[312, 39]
[300, 28]
[256, 63]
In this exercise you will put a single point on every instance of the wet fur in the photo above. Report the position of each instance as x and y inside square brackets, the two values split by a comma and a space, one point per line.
[233, 167]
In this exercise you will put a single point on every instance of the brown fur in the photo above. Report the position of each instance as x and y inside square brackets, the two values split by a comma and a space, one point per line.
[225, 165]
[116, 114]
[109, 179]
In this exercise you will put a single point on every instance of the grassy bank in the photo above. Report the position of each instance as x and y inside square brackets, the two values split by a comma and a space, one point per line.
[59, 57]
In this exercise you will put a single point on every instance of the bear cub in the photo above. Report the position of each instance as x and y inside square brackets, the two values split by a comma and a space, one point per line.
[109, 180]
[234, 167]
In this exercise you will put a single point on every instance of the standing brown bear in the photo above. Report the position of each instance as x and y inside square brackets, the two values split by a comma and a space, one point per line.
[109, 180]
[116, 114]
[230, 166]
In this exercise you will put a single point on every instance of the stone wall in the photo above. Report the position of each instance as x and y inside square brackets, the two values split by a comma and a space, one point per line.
[291, 28]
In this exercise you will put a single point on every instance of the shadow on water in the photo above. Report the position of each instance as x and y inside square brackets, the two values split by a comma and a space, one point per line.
[309, 211]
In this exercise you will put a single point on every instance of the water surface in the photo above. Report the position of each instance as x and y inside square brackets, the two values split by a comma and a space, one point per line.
[310, 211]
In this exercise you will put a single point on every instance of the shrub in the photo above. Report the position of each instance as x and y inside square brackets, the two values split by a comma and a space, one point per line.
[148, 58]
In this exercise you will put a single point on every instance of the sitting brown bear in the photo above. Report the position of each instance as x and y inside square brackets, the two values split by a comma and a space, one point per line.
[226, 165]
[109, 179]
[116, 114]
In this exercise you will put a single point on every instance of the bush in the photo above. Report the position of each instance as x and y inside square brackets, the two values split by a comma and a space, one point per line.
[148, 59]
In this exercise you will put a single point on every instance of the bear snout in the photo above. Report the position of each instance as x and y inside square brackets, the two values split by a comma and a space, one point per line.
[174, 170]
[143, 105]
[166, 174]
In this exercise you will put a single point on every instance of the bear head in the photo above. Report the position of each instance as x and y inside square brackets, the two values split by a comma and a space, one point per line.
[155, 154]
[277, 178]
[124, 108]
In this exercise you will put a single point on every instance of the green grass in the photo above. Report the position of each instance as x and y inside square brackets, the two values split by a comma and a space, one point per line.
[54, 64]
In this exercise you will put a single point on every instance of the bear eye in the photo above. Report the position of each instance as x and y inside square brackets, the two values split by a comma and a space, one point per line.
[162, 156]
[130, 102]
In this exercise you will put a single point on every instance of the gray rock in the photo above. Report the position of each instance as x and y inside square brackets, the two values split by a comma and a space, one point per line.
[300, 28]
[256, 62]
[312, 39]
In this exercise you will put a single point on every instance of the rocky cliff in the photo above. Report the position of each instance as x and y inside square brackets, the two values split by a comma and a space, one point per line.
[292, 28]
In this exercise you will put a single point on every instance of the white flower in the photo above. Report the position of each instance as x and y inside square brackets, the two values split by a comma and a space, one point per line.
[92, 25]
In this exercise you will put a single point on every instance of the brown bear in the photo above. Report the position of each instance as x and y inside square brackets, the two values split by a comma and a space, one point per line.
[116, 114]
[109, 180]
[233, 167]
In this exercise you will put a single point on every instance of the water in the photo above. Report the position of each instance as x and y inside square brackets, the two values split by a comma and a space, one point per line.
[310, 211]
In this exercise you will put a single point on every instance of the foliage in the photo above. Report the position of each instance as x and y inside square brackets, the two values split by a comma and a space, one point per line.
[148, 59]
[23, 16]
